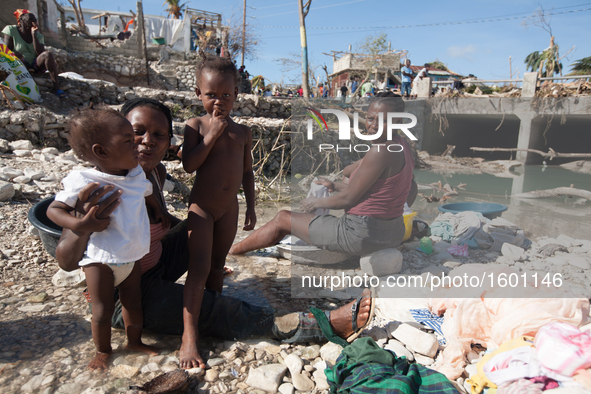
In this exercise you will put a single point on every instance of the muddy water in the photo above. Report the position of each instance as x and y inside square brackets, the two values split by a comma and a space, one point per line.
[538, 217]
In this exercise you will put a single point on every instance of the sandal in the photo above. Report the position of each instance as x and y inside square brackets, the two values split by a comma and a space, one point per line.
[60, 93]
[355, 310]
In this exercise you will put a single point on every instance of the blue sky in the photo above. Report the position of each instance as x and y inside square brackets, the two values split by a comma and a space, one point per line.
[482, 48]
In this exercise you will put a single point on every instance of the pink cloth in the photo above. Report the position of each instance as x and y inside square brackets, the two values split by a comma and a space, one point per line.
[563, 348]
[491, 320]
[458, 250]
[153, 256]
[386, 197]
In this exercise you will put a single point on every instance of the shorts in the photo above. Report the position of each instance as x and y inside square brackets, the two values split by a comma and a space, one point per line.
[355, 235]
[405, 88]
[120, 271]
[34, 66]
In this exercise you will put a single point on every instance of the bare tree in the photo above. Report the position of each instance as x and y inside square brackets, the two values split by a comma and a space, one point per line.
[373, 48]
[293, 62]
[233, 38]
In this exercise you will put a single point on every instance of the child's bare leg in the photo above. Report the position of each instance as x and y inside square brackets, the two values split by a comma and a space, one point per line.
[224, 231]
[99, 279]
[130, 295]
[200, 228]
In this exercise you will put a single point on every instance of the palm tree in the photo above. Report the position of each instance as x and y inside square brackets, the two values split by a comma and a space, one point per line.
[545, 63]
[174, 9]
[581, 66]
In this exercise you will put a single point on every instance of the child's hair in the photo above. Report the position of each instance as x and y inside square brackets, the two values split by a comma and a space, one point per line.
[221, 65]
[150, 103]
[391, 99]
[91, 126]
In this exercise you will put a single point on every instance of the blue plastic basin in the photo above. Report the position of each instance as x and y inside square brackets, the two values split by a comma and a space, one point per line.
[489, 210]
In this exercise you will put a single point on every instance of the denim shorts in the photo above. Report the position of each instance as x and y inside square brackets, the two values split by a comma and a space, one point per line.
[355, 235]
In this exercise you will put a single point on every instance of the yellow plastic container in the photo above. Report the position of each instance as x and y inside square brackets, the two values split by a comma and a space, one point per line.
[408, 218]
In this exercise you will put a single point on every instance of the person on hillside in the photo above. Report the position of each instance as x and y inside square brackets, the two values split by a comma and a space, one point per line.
[415, 83]
[407, 77]
[28, 44]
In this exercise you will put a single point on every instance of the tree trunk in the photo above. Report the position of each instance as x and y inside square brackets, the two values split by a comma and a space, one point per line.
[556, 192]
[304, 44]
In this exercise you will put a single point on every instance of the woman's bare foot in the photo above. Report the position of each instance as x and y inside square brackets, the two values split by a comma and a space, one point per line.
[99, 361]
[189, 356]
[340, 319]
[141, 347]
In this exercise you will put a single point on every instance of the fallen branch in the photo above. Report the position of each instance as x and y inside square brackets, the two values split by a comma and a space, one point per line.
[551, 154]
[556, 192]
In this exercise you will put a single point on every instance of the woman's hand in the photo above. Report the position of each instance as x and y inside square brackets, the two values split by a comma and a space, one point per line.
[308, 205]
[90, 195]
[162, 215]
[325, 182]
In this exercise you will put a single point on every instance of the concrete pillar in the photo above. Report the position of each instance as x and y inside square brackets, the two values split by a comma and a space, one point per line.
[424, 87]
[528, 134]
[530, 81]
[187, 33]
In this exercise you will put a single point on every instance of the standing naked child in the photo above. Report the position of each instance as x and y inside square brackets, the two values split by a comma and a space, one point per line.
[106, 139]
[219, 150]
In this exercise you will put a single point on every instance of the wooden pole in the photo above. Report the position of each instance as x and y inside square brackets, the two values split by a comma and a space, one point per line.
[142, 38]
[304, 44]
[243, 33]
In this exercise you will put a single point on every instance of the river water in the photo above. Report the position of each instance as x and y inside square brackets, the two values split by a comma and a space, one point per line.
[537, 217]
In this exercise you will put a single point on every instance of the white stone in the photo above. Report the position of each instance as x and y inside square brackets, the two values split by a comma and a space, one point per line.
[211, 375]
[383, 262]
[4, 146]
[579, 262]
[11, 173]
[330, 352]
[21, 145]
[34, 174]
[302, 382]
[6, 191]
[416, 340]
[377, 333]
[33, 384]
[294, 363]
[124, 371]
[69, 279]
[513, 252]
[22, 179]
[286, 388]
[399, 349]
[423, 360]
[320, 379]
[266, 377]
[168, 186]
[151, 367]
[212, 362]
[21, 153]
[50, 151]
[33, 308]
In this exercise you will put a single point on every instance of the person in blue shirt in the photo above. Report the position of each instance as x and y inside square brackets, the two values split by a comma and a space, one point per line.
[406, 79]
[354, 85]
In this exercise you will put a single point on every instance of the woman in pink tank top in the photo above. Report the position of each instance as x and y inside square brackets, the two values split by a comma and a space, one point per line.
[373, 199]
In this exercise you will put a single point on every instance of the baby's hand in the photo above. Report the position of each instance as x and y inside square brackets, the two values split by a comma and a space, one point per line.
[161, 215]
[250, 220]
[217, 124]
[90, 223]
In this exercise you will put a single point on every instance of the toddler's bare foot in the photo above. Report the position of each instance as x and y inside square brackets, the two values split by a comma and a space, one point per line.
[151, 350]
[340, 319]
[99, 361]
[189, 356]
[228, 271]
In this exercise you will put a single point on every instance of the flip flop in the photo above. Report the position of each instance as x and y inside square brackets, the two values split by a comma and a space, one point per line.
[60, 93]
[355, 311]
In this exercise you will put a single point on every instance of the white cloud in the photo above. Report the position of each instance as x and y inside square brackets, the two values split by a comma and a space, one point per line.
[464, 52]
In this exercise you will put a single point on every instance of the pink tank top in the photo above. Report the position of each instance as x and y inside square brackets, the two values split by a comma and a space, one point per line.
[386, 197]
[156, 234]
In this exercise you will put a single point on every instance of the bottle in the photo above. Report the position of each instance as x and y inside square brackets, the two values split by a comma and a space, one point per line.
[426, 245]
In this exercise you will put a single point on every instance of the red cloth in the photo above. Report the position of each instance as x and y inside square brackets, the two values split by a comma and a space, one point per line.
[21, 11]
[151, 259]
[386, 197]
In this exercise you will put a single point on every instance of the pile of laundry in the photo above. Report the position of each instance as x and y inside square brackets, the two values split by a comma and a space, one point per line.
[472, 229]
[558, 356]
